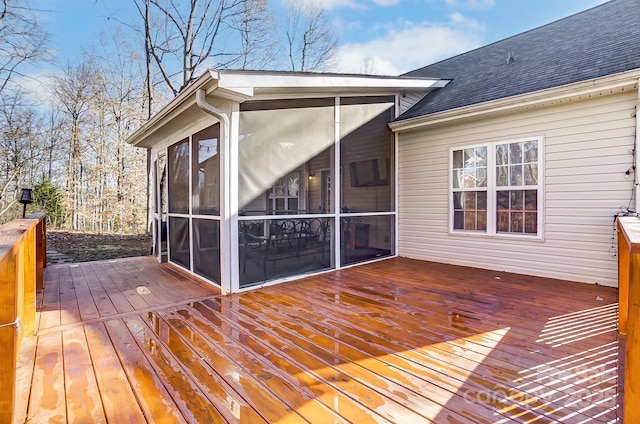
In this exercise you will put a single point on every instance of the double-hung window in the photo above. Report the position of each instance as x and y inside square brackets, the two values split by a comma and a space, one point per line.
[496, 188]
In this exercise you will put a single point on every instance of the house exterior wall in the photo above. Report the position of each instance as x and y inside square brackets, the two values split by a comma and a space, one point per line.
[587, 149]
[410, 98]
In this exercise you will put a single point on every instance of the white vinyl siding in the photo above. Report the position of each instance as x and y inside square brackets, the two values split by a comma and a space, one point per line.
[410, 98]
[587, 149]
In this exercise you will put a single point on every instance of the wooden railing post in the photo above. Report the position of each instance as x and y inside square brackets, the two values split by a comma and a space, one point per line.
[624, 257]
[9, 334]
[19, 262]
[632, 357]
[41, 248]
[629, 312]
[28, 280]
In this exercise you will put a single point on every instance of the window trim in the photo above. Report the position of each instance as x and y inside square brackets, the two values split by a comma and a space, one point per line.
[492, 190]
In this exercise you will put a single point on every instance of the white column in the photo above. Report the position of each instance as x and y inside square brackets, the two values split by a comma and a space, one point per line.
[231, 189]
[396, 183]
[336, 186]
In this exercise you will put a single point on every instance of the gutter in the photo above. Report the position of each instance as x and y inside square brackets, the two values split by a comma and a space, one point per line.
[202, 103]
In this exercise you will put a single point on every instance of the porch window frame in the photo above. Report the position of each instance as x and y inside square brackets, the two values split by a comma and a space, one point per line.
[189, 215]
[492, 189]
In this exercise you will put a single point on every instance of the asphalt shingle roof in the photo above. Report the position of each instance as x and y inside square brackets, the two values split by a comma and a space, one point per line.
[600, 41]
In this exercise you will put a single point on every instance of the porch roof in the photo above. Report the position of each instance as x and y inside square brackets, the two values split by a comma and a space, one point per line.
[225, 86]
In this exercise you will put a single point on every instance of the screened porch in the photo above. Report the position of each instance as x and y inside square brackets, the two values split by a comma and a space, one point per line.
[309, 186]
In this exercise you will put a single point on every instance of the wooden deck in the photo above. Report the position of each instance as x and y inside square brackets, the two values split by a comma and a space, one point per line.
[395, 341]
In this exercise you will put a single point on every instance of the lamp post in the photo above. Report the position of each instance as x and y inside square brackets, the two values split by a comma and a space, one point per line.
[25, 199]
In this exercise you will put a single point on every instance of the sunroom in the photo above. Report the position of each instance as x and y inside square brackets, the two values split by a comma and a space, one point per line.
[263, 177]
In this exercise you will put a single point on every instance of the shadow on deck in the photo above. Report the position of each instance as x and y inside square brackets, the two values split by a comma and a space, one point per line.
[399, 340]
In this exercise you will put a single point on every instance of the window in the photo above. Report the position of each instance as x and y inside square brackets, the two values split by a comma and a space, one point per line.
[496, 188]
[285, 194]
[178, 190]
[470, 189]
[205, 172]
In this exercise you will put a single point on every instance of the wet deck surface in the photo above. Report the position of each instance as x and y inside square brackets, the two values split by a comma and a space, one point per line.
[394, 341]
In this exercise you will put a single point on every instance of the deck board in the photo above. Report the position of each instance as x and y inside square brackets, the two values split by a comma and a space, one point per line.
[153, 398]
[83, 398]
[118, 399]
[398, 340]
[86, 306]
[47, 401]
[48, 315]
[189, 398]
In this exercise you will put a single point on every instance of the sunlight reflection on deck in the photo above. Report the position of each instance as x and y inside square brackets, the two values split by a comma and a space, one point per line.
[423, 376]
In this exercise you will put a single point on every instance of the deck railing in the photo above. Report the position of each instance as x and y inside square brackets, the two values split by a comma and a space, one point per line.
[629, 311]
[22, 262]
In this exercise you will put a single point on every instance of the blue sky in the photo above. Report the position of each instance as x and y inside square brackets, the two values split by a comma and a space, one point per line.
[392, 36]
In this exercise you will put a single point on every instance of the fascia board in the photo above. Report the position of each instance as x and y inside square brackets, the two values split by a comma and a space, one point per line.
[275, 81]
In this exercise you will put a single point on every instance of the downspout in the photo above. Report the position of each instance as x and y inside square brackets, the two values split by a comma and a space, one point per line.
[225, 227]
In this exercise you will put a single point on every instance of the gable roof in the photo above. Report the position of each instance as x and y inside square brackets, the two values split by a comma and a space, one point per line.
[601, 41]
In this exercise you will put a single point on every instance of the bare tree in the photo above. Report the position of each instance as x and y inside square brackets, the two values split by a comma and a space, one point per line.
[367, 66]
[53, 151]
[257, 30]
[181, 36]
[311, 43]
[184, 35]
[118, 176]
[22, 40]
[20, 148]
[73, 92]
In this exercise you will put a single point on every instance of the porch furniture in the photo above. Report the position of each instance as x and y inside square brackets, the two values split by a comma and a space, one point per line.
[358, 236]
[290, 239]
[251, 241]
[285, 240]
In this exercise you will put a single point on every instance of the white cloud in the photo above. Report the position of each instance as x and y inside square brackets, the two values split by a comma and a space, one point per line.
[405, 49]
[37, 87]
[340, 25]
[336, 4]
[471, 4]
[386, 3]
[324, 4]
[461, 20]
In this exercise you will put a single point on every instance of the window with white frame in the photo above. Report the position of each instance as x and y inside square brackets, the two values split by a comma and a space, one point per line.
[496, 188]
[284, 196]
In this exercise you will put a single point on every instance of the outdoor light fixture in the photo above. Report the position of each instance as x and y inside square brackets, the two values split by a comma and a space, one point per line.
[25, 199]
[312, 175]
